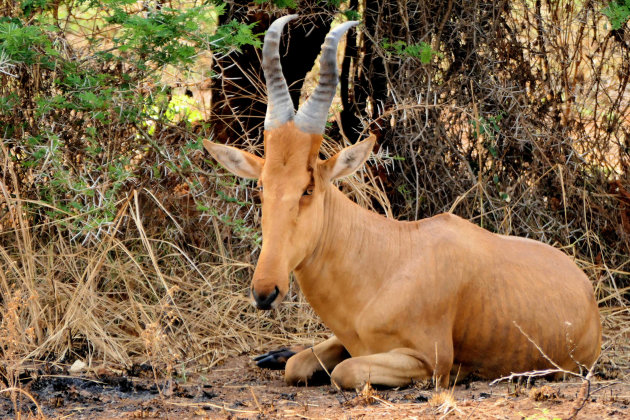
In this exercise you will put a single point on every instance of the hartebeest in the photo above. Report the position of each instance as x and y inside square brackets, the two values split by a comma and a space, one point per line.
[405, 300]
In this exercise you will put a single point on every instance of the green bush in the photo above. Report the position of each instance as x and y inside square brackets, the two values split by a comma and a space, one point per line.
[85, 108]
[618, 12]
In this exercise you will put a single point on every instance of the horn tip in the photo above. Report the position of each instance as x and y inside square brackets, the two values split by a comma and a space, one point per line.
[285, 19]
[277, 25]
[343, 27]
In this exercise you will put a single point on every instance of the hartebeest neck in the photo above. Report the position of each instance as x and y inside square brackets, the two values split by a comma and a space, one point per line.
[332, 278]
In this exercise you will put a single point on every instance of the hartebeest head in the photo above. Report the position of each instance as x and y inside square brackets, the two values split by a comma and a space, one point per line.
[292, 180]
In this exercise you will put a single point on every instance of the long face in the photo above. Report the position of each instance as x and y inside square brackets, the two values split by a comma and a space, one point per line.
[292, 194]
[293, 181]
[293, 184]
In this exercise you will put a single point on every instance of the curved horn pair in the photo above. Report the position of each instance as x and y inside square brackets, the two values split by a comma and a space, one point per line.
[312, 116]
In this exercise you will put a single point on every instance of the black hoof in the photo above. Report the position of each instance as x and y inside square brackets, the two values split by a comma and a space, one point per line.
[275, 359]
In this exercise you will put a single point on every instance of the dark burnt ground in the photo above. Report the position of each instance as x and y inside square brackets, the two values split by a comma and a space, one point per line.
[238, 389]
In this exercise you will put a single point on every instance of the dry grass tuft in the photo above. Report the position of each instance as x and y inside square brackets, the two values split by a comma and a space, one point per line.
[443, 402]
[365, 396]
[544, 393]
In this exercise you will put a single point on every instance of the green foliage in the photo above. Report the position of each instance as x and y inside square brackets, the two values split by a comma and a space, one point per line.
[618, 12]
[177, 108]
[30, 7]
[235, 35]
[336, 3]
[421, 51]
[489, 129]
[25, 44]
[83, 125]
[161, 36]
[293, 4]
[352, 14]
[8, 103]
[282, 4]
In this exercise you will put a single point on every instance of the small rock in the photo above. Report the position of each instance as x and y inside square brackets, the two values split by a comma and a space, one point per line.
[78, 366]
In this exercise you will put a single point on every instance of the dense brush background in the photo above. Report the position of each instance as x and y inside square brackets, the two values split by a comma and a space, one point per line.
[121, 242]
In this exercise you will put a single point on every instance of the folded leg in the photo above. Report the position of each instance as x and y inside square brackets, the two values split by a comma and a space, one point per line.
[398, 367]
[304, 365]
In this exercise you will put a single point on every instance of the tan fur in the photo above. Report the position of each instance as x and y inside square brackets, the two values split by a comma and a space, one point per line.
[412, 300]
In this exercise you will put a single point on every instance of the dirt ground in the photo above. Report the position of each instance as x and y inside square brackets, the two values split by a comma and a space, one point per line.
[237, 389]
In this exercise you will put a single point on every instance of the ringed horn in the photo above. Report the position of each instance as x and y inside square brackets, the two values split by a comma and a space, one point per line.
[311, 117]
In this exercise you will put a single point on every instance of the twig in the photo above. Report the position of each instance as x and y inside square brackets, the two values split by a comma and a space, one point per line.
[586, 380]
[21, 391]
[256, 400]
[334, 384]
[220, 407]
[585, 391]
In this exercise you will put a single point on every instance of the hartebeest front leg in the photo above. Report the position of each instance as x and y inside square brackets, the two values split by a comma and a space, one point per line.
[399, 367]
[302, 366]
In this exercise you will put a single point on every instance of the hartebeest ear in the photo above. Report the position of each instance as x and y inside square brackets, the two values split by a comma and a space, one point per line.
[239, 162]
[349, 159]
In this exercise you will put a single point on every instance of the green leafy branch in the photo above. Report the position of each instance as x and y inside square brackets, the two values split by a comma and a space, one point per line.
[422, 51]
[618, 12]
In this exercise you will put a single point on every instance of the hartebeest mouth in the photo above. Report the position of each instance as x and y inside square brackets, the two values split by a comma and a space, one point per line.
[265, 302]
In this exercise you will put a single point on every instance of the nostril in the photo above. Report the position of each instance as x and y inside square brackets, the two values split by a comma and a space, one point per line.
[264, 302]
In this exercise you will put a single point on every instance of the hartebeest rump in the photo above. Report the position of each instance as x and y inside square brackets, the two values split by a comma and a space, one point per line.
[406, 300]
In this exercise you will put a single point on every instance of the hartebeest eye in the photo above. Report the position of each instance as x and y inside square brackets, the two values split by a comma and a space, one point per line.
[308, 190]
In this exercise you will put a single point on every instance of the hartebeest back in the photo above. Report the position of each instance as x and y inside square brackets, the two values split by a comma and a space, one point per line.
[406, 300]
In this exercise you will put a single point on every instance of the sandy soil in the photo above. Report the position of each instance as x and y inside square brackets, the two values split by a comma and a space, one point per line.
[237, 389]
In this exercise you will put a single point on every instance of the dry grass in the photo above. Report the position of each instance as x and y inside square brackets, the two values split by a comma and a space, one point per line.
[127, 301]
